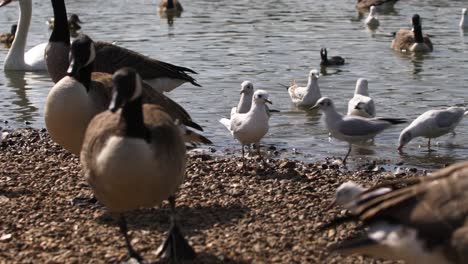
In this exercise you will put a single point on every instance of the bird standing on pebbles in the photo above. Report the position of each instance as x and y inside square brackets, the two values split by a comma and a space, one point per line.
[432, 124]
[352, 129]
[134, 156]
[250, 127]
[424, 222]
[306, 96]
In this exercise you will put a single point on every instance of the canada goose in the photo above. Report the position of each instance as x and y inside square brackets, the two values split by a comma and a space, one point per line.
[381, 4]
[135, 157]
[250, 127]
[372, 21]
[78, 97]
[308, 95]
[172, 6]
[424, 222]
[352, 129]
[17, 59]
[7, 38]
[73, 22]
[432, 124]
[361, 104]
[412, 40]
[333, 61]
[464, 19]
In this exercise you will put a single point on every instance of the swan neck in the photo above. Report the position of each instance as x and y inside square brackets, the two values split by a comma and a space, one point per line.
[16, 52]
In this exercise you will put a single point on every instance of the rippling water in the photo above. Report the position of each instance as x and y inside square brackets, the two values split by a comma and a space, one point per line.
[271, 42]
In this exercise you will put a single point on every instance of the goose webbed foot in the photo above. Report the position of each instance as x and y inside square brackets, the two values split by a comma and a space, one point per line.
[82, 201]
[176, 247]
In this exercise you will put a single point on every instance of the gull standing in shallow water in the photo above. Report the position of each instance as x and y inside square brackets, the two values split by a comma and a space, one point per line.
[352, 129]
[432, 124]
[372, 21]
[250, 127]
[306, 96]
[245, 102]
[361, 104]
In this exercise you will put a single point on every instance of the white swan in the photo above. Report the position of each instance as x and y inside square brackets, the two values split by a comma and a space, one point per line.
[17, 59]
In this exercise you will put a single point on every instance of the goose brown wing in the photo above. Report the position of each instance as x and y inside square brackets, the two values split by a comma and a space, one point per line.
[435, 205]
[110, 58]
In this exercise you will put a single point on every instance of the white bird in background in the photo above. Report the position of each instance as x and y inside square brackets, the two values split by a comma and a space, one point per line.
[464, 19]
[372, 21]
[246, 95]
[432, 124]
[361, 104]
[250, 127]
[306, 96]
[352, 129]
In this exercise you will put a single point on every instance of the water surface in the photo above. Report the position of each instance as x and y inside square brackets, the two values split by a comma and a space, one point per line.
[271, 42]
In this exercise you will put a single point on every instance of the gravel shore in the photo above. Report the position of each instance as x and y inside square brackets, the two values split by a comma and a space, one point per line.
[264, 215]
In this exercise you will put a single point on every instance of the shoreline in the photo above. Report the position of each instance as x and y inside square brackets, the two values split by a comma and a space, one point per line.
[264, 215]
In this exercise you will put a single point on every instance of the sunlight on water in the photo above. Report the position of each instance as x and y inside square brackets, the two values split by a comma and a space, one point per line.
[270, 43]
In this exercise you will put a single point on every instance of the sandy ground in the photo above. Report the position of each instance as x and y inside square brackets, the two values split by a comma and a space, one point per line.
[267, 214]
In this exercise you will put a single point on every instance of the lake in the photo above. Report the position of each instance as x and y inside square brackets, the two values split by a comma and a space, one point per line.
[273, 42]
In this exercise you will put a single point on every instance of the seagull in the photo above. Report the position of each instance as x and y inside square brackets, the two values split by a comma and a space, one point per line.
[245, 102]
[347, 195]
[432, 124]
[424, 222]
[464, 19]
[361, 104]
[372, 21]
[134, 156]
[250, 127]
[352, 129]
[306, 96]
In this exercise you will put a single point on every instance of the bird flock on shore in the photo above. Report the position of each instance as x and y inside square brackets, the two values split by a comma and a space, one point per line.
[108, 106]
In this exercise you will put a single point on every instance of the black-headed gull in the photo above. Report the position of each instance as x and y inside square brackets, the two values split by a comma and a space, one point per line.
[308, 95]
[352, 129]
[361, 104]
[372, 21]
[432, 124]
[250, 127]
